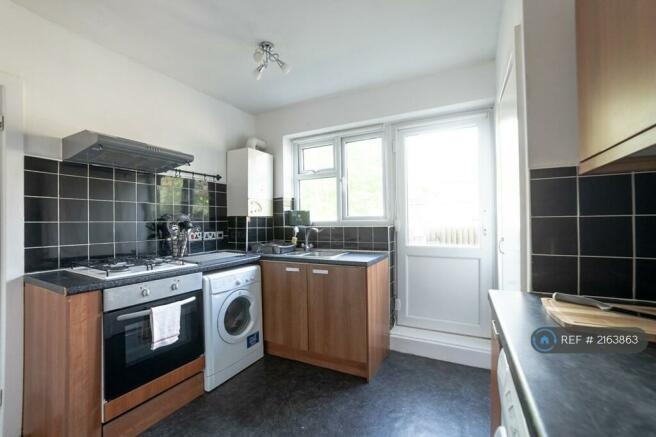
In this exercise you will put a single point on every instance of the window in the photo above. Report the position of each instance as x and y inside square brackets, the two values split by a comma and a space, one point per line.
[442, 177]
[342, 177]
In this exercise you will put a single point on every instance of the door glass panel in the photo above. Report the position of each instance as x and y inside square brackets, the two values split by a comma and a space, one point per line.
[364, 178]
[238, 316]
[318, 158]
[319, 196]
[443, 205]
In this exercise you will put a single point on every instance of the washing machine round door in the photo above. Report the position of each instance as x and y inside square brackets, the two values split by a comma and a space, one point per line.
[237, 316]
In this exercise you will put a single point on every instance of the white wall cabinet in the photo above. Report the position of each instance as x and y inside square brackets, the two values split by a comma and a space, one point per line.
[250, 183]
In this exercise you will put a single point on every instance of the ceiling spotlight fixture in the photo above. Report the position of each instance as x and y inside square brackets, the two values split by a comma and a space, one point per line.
[265, 54]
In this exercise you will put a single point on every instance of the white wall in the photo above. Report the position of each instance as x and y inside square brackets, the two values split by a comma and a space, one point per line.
[70, 84]
[550, 65]
[73, 84]
[466, 86]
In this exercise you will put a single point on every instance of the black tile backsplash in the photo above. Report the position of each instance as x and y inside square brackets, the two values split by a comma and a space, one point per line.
[69, 254]
[38, 209]
[40, 184]
[73, 169]
[125, 191]
[74, 211]
[41, 234]
[645, 228]
[73, 233]
[41, 258]
[146, 212]
[39, 164]
[553, 197]
[553, 172]
[555, 273]
[73, 187]
[101, 233]
[605, 195]
[125, 211]
[146, 193]
[101, 250]
[101, 189]
[606, 236]
[101, 172]
[645, 200]
[554, 235]
[608, 277]
[646, 279]
[101, 211]
[594, 235]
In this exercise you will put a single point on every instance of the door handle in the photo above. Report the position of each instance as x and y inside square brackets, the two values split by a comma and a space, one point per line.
[320, 271]
[500, 246]
[292, 269]
[144, 313]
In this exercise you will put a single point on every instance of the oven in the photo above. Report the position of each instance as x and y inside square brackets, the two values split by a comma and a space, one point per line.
[128, 361]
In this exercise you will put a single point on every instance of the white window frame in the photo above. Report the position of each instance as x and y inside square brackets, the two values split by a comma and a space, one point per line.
[338, 140]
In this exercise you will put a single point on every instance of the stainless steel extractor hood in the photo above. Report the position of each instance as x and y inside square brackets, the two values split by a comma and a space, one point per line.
[100, 149]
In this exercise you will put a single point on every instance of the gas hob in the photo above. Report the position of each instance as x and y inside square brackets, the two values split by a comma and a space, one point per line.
[115, 268]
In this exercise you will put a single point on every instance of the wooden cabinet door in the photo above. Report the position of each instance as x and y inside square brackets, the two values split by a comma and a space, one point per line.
[337, 311]
[285, 304]
[616, 61]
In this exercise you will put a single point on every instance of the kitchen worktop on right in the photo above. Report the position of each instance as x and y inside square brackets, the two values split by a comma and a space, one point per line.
[574, 394]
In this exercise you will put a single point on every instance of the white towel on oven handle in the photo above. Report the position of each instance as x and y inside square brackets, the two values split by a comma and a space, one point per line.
[165, 324]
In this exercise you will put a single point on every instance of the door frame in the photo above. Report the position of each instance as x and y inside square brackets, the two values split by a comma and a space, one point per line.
[489, 219]
[11, 254]
[516, 60]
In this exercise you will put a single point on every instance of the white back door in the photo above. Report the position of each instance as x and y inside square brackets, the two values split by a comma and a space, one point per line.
[445, 188]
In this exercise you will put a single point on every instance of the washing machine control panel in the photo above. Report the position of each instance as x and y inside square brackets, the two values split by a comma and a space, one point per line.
[240, 279]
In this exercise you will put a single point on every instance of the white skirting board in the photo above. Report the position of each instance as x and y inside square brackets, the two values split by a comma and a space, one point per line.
[460, 349]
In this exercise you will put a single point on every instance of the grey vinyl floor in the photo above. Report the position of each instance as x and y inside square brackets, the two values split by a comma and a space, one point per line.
[410, 396]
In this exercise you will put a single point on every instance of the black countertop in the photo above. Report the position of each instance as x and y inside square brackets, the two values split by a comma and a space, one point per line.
[66, 282]
[352, 258]
[574, 394]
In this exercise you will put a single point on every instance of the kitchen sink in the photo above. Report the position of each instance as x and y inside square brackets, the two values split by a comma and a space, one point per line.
[330, 254]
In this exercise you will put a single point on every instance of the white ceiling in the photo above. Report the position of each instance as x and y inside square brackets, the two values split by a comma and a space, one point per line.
[332, 45]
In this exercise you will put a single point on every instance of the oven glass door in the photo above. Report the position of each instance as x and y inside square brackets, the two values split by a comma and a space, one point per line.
[129, 361]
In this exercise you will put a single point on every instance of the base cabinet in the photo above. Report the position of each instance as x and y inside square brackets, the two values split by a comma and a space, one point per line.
[337, 312]
[285, 304]
[62, 374]
[327, 315]
[62, 368]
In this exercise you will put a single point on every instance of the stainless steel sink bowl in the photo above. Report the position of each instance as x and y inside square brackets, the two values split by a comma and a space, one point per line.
[329, 254]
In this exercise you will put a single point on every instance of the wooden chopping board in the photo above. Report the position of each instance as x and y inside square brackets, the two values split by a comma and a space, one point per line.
[571, 315]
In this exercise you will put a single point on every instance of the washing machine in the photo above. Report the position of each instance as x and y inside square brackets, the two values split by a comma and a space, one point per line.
[233, 323]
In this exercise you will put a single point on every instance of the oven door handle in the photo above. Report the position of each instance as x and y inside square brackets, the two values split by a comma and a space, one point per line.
[139, 314]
